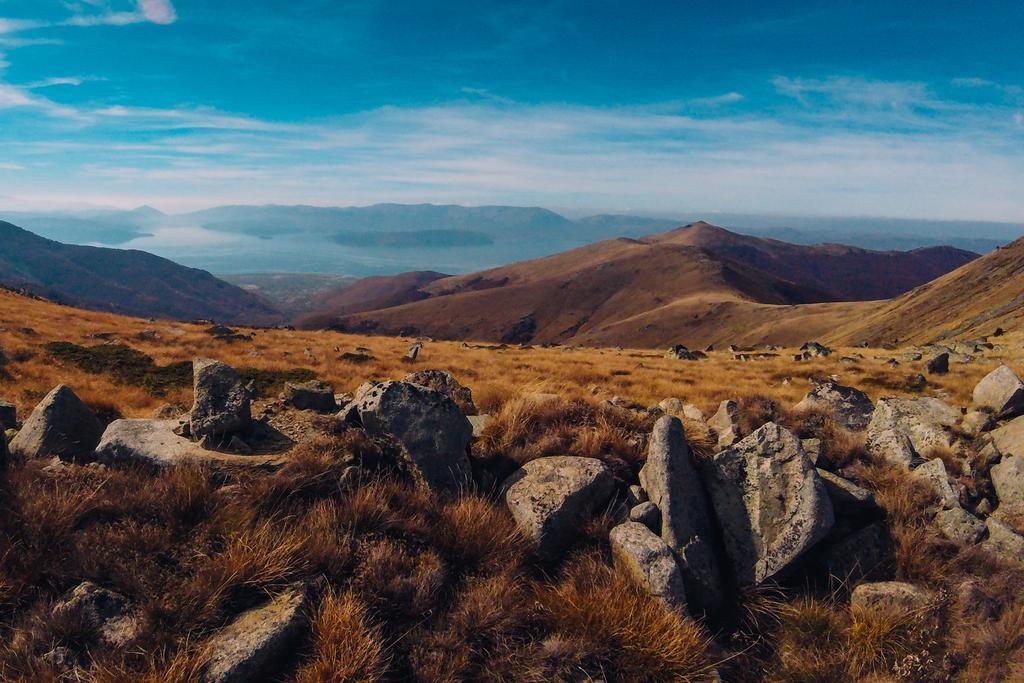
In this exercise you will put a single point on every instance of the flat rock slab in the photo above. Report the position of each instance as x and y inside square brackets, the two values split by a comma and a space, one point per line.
[154, 443]
[893, 595]
[770, 503]
[550, 498]
[257, 642]
[650, 562]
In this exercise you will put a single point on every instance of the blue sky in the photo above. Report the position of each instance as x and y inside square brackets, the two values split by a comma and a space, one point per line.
[909, 109]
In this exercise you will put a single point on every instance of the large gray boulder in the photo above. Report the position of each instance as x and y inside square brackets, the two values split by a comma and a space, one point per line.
[851, 408]
[60, 425]
[650, 563]
[550, 498]
[1000, 392]
[155, 443]
[674, 485]
[902, 430]
[1008, 481]
[258, 641]
[222, 404]
[433, 433]
[442, 381]
[770, 503]
[726, 423]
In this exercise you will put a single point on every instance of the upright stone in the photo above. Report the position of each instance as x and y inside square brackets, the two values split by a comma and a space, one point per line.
[60, 425]
[770, 503]
[650, 562]
[222, 404]
[726, 423]
[673, 483]
[1001, 392]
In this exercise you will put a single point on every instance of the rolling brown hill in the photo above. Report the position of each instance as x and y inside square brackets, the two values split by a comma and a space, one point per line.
[973, 300]
[123, 281]
[694, 285]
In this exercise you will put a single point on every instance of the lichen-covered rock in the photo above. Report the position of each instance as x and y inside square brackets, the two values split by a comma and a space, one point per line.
[1009, 439]
[770, 503]
[975, 422]
[726, 423]
[550, 498]
[846, 497]
[674, 485]
[1003, 542]
[890, 595]
[312, 395]
[105, 611]
[902, 430]
[222, 404]
[1008, 481]
[647, 514]
[60, 425]
[258, 642]
[154, 443]
[650, 562]
[851, 408]
[959, 525]
[442, 381]
[933, 475]
[432, 431]
[1000, 392]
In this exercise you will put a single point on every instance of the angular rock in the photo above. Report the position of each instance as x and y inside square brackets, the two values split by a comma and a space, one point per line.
[846, 497]
[433, 433]
[60, 425]
[1009, 439]
[890, 595]
[444, 382]
[813, 348]
[1008, 481]
[258, 641]
[550, 498]
[903, 429]
[479, 423]
[222, 404]
[674, 485]
[933, 475]
[104, 610]
[959, 525]
[975, 422]
[1003, 542]
[674, 406]
[636, 495]
[938, 364]
[155, 443]
[726, 423]
[770, 503]
[851, 408]
[8, 416]
[814, 449]
[650, 562]
[312, 395]
[647, 514]
[1000, 392]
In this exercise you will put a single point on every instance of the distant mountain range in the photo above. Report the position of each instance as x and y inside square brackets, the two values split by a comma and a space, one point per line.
[695, 284]
[123, 281]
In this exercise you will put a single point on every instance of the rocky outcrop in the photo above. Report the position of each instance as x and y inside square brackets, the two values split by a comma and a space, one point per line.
[312, 395]
[60, 425]
[674, 485]
[442, 381]
[650, 562]
[903, 430]
[770, 503]
[851, 408]
[726, 423]
[550, 498]
[257, 642]
[431, 431]
[1000, 392]
[222, 405]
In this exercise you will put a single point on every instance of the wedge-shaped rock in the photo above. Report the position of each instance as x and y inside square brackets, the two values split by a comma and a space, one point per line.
[904, 429]
[851, 408]
[550, 498]
[674, 485]
[432, 431]
[726, 423]
[154, 443]
[258, 642]
[650, 562]
[1003, 542]
[846, 497]
[770, 503]
[1001, 392]
[890, 595]
[1008, 481]
[222, 404]
[60, 425]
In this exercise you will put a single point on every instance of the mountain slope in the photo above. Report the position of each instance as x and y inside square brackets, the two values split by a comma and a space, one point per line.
[695, 285]
[971, 301]
[122, 281]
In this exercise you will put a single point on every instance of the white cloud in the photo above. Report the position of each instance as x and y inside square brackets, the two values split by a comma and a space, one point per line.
[6, 166]
[158, 11]
[717, 100]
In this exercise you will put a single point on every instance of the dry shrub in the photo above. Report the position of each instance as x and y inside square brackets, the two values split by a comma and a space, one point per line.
[399, 583]
[477, 537]
[347, 646]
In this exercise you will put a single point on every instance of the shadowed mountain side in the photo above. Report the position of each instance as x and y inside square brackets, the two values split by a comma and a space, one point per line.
[123, 281]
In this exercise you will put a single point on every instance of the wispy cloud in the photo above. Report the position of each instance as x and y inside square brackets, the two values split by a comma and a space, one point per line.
[158, 11]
